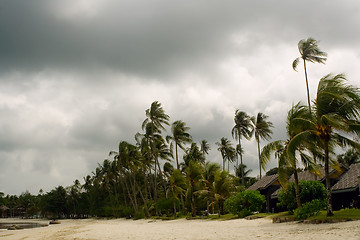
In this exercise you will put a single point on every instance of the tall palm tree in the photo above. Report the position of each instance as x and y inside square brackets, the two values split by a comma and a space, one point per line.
[180, 136]
[241, 129]
[335, 120]
[154, 123]
[309, 51]
[228, 153]
[280, 148]
[261, 130]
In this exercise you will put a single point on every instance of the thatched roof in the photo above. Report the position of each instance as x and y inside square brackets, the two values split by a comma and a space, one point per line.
[349, 181]
[264, 182]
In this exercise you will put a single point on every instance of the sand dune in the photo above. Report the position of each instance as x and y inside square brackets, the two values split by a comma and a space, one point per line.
[186, 229]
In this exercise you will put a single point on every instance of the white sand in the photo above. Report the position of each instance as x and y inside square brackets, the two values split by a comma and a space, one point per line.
[187, 229]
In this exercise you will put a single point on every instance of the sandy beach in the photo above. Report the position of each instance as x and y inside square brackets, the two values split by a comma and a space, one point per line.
[186, 229]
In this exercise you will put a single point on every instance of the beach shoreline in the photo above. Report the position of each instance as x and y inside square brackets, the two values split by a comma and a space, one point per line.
[183, 229]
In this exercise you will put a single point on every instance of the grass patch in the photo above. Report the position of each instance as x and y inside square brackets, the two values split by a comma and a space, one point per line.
[341, 214]
[272, 215]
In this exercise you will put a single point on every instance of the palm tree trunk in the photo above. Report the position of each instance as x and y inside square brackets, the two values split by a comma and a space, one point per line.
[258, 143]
[297, 191]
[174, 205]
[241, 165]
[177, 159]
[327, 177]
[307, 86]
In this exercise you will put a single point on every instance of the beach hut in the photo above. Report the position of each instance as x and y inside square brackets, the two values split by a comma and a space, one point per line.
[345, 192]
[267, 185]
[4, 211]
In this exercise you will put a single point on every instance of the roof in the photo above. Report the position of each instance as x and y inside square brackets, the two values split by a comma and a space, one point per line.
[348, 180]
[308, 176]
[264, 182]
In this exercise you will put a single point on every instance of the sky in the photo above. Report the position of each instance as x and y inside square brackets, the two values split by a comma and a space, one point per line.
[76, 76]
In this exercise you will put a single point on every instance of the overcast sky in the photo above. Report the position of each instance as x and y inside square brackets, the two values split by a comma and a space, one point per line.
[76, 76]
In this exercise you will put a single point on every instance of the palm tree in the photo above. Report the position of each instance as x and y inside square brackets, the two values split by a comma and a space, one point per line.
[204, 147]
[193, 154]
[177, 187]
[222, 187]
[228, 153]
[280, 148]
[242, 128]
[309, 51]
[335, 119]
[154, 123]
[193, 175]
[180, 136]
[261, 130]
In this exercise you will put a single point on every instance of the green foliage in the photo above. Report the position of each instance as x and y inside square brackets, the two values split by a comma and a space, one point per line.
[309, 190]
[310, 209]
[244, 203]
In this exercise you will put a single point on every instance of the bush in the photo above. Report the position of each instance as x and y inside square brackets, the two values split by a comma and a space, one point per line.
[309, 209]
[309, 190]
[244, 203]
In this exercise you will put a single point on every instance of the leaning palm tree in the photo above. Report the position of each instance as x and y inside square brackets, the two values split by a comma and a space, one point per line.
[335, 120]
[179, 137]
[241, 129]
[309, 51]
[280, 149]
[228, 153]
[261, 130]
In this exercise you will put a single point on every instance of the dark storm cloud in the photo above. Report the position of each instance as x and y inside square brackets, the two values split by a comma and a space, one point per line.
[154, 37]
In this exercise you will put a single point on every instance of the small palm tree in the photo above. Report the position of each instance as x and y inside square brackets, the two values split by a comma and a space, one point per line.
[228, 153]
[336, 111]
[241, 129]
[204, 147]
[193, 154]
[177, 187]
[180, 136]
[193, 176]
[261, 130]
[309, 51]
[280, 148]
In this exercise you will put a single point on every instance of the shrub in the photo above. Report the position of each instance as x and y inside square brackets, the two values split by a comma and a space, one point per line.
[310, 209]
[309, 190]
[244, 203]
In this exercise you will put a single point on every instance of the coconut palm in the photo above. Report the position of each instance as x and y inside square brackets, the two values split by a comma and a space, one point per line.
[193, 176]
[280, 148]
[193, 154]
[180, 136]
[228, 153]
[309, 51]
[335, 120]
[241, 129]
[261, 130]
[154, 123]
[204, 147]
[177, 187]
